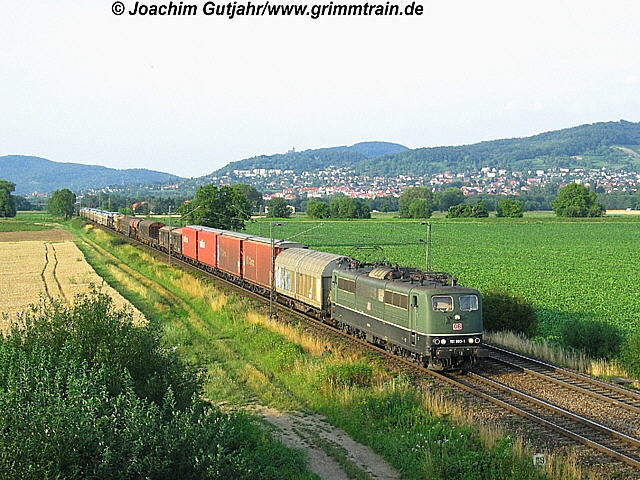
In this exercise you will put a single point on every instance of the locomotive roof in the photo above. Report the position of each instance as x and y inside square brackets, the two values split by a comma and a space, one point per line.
[400, 278]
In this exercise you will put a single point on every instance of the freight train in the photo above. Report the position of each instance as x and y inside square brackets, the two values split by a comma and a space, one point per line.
[427, 317]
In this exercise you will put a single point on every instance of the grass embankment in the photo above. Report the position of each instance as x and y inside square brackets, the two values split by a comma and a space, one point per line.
[250, 359]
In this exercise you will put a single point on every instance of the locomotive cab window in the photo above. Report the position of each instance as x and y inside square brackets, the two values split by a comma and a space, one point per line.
[468, 303]
[441, 303]
[346, 285]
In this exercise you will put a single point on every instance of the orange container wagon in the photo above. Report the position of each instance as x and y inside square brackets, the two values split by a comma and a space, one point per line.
[208, 245]
[190, 242]
[256, 258]
[230, 252]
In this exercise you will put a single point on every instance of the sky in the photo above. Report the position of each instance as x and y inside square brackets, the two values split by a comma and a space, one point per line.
[187, 95]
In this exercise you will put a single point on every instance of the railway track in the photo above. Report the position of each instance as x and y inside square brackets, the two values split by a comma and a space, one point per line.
[577, 382]
[610, 442]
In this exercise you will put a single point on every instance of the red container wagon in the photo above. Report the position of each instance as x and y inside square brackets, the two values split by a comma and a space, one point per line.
[230, 252]
[190, 242]
[256, 258]
[208, 245]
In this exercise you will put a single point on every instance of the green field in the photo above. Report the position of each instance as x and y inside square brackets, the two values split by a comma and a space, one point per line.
[28, 222]
[582, 268]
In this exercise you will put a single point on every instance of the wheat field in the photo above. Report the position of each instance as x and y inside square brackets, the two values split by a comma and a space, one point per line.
[32, 270]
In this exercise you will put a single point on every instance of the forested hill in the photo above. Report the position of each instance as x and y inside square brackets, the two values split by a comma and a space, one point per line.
[612, 144]
[316, 159]
[35, 174]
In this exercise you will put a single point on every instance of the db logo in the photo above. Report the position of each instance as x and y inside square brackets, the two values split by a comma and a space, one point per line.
[457, 326]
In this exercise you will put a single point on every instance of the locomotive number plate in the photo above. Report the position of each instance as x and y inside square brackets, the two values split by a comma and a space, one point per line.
[457, 326]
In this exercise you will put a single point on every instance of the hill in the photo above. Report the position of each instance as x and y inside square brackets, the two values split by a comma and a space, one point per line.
[35, 174]
[611, 144]
[315, 159]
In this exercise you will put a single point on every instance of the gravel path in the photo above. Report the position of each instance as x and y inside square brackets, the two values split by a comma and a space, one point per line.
[330, 450]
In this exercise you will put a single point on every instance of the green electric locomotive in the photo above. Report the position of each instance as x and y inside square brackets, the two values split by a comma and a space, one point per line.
[424, 316]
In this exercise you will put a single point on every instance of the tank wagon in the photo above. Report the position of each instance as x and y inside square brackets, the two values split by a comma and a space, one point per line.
[427, 317]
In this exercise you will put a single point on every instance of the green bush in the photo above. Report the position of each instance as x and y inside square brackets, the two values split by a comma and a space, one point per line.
[509, 208]
[597, 339]
[93, 331]
[468, 210]
[347, 375]
[504, 311]
[631, 354]
[84, 394]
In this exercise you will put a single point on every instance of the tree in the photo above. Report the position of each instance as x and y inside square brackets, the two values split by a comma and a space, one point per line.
[449, 198]
[7, 201]
[278, 208]
[419, 208]
[423, 209]
[62, 203]
[23, 204]
[467, 210]
[346, 207]
[577, 201]
[253, 196]
[509, 208]
[316, 209]
[218, 207]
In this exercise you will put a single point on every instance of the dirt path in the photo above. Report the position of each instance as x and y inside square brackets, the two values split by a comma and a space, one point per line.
[43, 274]
[332, 454]
[55, 275]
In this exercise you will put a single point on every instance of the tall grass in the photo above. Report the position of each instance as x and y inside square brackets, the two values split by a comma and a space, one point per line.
[545, 350]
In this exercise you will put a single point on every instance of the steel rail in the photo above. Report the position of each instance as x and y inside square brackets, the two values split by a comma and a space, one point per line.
[569, 385]
[563, 371]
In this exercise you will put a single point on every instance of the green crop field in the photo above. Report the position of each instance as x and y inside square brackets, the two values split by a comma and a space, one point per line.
[585, 268]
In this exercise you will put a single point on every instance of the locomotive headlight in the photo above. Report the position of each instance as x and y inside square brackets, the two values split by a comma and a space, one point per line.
[477, 340]
[456, 317]
[471, 340]
[437, 341]
[443, 341]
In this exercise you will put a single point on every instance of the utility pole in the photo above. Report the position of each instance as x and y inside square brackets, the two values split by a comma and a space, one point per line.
[427, 241]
